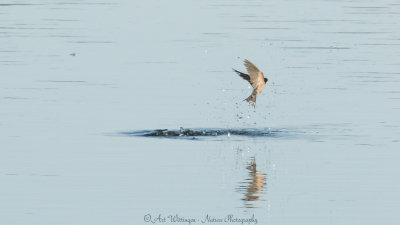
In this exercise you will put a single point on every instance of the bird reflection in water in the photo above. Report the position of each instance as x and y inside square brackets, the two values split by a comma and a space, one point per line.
[254, 185]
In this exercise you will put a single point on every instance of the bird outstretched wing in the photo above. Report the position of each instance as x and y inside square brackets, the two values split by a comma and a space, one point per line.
[243, 75]
[255, 75]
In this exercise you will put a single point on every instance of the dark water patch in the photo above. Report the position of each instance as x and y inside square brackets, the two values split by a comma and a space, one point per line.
[91, 42]
[28, 28]
[11, 63]
[379, 44]
[376, 81]
[213, 33]
[186, 40]
[31, 88]
[366, 7]
[14, 98]
[48, 175]
[65, 8]
[265, 28]
[253, 16]
[283, 40]
[354, 60]
[377, 72]
[335, 88]
[8, 34]
[316, 47]
[67, 36]
[355, 32]
[256, 21]
[234, 5]
[209, 132]
[364, 144]
[373, 13]
[63, 81]
[8, 61]
[86, 3]
[61, 20]
[17, 4]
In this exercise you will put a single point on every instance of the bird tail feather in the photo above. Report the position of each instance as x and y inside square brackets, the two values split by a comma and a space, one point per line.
[252, 98]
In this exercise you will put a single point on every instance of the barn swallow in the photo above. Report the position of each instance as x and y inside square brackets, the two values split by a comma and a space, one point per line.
[255, 78]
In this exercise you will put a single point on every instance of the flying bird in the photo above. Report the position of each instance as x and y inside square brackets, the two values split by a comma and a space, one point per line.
[255, 78]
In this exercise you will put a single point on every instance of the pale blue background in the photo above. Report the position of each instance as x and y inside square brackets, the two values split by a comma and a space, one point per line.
[334, 73]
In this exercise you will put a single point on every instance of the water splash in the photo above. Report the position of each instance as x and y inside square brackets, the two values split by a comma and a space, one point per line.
[208, 132]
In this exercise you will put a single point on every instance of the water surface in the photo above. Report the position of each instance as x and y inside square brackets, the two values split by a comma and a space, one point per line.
[85, 83]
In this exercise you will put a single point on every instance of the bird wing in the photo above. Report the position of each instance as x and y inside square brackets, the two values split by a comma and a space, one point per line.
[256, 76]
[243, 75]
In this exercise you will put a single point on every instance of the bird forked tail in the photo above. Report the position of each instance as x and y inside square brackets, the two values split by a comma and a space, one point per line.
[252, 98]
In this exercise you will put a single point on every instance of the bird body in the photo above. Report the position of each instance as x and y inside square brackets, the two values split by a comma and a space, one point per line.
[255, 78]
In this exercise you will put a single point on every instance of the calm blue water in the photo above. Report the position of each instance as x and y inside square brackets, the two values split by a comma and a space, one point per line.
[82, 81]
